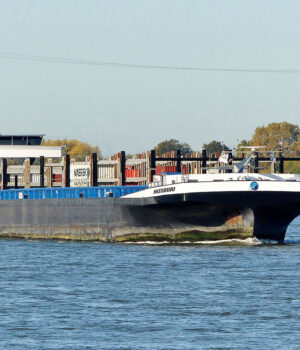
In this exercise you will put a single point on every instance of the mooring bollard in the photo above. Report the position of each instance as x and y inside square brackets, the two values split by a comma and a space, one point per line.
[123, 166]
[4, 174]
[203, 164]
[67, 170]
[42, 171]
[152, 164]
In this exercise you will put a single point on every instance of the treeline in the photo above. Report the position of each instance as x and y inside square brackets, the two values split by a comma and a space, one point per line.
[185, 148]
[278, 136]
[77, 150]
[275, 136]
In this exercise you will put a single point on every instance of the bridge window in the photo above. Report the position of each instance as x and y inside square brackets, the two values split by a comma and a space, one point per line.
[19, 140]
[5, 140]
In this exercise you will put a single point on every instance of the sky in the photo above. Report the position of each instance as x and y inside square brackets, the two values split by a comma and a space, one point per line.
[132, 109]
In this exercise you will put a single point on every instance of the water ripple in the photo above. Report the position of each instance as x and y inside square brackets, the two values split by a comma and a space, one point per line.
[226, 295]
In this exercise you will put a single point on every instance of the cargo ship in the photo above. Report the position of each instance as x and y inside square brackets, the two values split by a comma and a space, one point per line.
[174, 208]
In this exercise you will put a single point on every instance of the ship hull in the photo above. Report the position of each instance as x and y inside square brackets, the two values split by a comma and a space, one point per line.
[172, 218]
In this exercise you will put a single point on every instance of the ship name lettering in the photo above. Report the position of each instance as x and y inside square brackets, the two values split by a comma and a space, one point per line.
[164, 190]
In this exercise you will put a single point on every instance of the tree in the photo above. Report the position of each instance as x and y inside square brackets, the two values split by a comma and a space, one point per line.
[172, 145]
[243, 143]
[276, 135]
[239, 149]
[129, 156]
[75, 148]
[215, 146]
[296, 148]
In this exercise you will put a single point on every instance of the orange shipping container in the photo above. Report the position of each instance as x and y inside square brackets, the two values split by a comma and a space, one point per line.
[131, 173]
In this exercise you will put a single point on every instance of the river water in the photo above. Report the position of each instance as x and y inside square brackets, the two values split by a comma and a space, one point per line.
[77, 295]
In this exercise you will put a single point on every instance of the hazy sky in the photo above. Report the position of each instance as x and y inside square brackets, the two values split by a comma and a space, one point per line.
[133, 109]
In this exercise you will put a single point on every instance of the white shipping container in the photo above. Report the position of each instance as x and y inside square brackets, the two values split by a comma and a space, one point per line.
[35, 178]
[106, 171]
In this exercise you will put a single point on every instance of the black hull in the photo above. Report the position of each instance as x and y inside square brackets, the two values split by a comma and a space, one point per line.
[195, 216]
[268, 213]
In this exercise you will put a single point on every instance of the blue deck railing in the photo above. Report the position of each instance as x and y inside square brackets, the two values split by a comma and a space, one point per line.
[69, 192]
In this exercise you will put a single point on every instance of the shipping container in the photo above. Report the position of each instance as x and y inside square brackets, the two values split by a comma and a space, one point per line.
[106, 171]
[57, 177]
[131, 173]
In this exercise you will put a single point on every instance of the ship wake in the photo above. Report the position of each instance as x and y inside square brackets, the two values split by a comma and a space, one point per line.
[234, 241]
